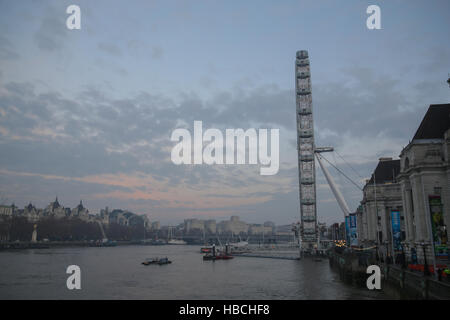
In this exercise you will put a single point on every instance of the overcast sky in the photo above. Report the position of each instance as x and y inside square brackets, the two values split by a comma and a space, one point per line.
[87, 114]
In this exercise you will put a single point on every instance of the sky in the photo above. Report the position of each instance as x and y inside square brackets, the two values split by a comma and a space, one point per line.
[88, 114]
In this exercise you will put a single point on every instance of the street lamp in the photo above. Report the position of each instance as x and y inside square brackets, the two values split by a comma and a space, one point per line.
[387, 254]
[426, 272]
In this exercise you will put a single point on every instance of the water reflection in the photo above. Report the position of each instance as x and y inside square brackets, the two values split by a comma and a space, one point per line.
[117, 273]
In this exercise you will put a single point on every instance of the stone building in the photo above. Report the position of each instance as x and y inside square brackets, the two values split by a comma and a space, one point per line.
[381, 200]
[196, 226]
[80, 212]
[359, 223]
[270, 224]
[119, 217]
[155, 226]
[193, 225]
[234, 226]
[55, 209]
[104, 216]
[210, 226]
[425, 185]
[32, 213]
[336, 231]
[7, 210]
[259, 229]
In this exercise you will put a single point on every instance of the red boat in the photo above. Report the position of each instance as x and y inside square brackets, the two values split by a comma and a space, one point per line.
[223, 256]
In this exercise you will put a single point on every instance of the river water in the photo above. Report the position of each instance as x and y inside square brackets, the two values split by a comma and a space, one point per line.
[117, 273]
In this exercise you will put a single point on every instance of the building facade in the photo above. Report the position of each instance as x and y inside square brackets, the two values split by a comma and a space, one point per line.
[382, 202]
[425, 186]
[234, 226]
[259, 229]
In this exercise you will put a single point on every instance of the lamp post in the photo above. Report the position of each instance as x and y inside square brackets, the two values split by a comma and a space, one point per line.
[403, 258]
[429, 227]
[426, 272]
[386, 250]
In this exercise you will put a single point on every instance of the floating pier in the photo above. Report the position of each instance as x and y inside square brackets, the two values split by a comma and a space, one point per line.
[265, 256]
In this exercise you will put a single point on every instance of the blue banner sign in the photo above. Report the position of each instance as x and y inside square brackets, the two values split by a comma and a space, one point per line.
[353, 231]
[396, 231]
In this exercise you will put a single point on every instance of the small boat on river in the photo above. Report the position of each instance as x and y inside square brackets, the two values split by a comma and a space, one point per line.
[164, 261]
[150, 261]
[159, 261]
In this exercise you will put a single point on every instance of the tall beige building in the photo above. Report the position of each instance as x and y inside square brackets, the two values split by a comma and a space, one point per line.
[234, 226]
[425, 184]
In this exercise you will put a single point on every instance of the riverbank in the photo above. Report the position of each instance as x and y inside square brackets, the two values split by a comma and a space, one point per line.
[396, 282]
[18, 245]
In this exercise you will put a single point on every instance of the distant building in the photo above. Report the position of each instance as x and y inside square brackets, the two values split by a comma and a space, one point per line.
[155, 226]
[121, 217]
[259, 229]
[80, 212]
[271, 225]
[322, 230]
[210, 226]
[7, 210]
[146, 221]
[54, 209]
[32, 213]
[341, 231]
[335, 232]
[104, 216]
[233, 226]
[381, 196]
[193, 225]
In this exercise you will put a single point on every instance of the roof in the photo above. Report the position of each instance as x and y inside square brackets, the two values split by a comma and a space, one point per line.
[435, 122]
[386, 171]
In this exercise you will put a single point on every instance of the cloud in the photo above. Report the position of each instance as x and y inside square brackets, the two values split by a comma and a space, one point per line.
[157, 52]
[7, 51]
[52, 31]
[119, 148]
[110, 48]
[122, 146]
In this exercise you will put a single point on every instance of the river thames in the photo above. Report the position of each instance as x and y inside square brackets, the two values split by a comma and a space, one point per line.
[117, 273]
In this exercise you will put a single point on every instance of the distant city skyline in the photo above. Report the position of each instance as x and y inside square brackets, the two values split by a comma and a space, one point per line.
[55, 212]
[87, 114]
[86, 210]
